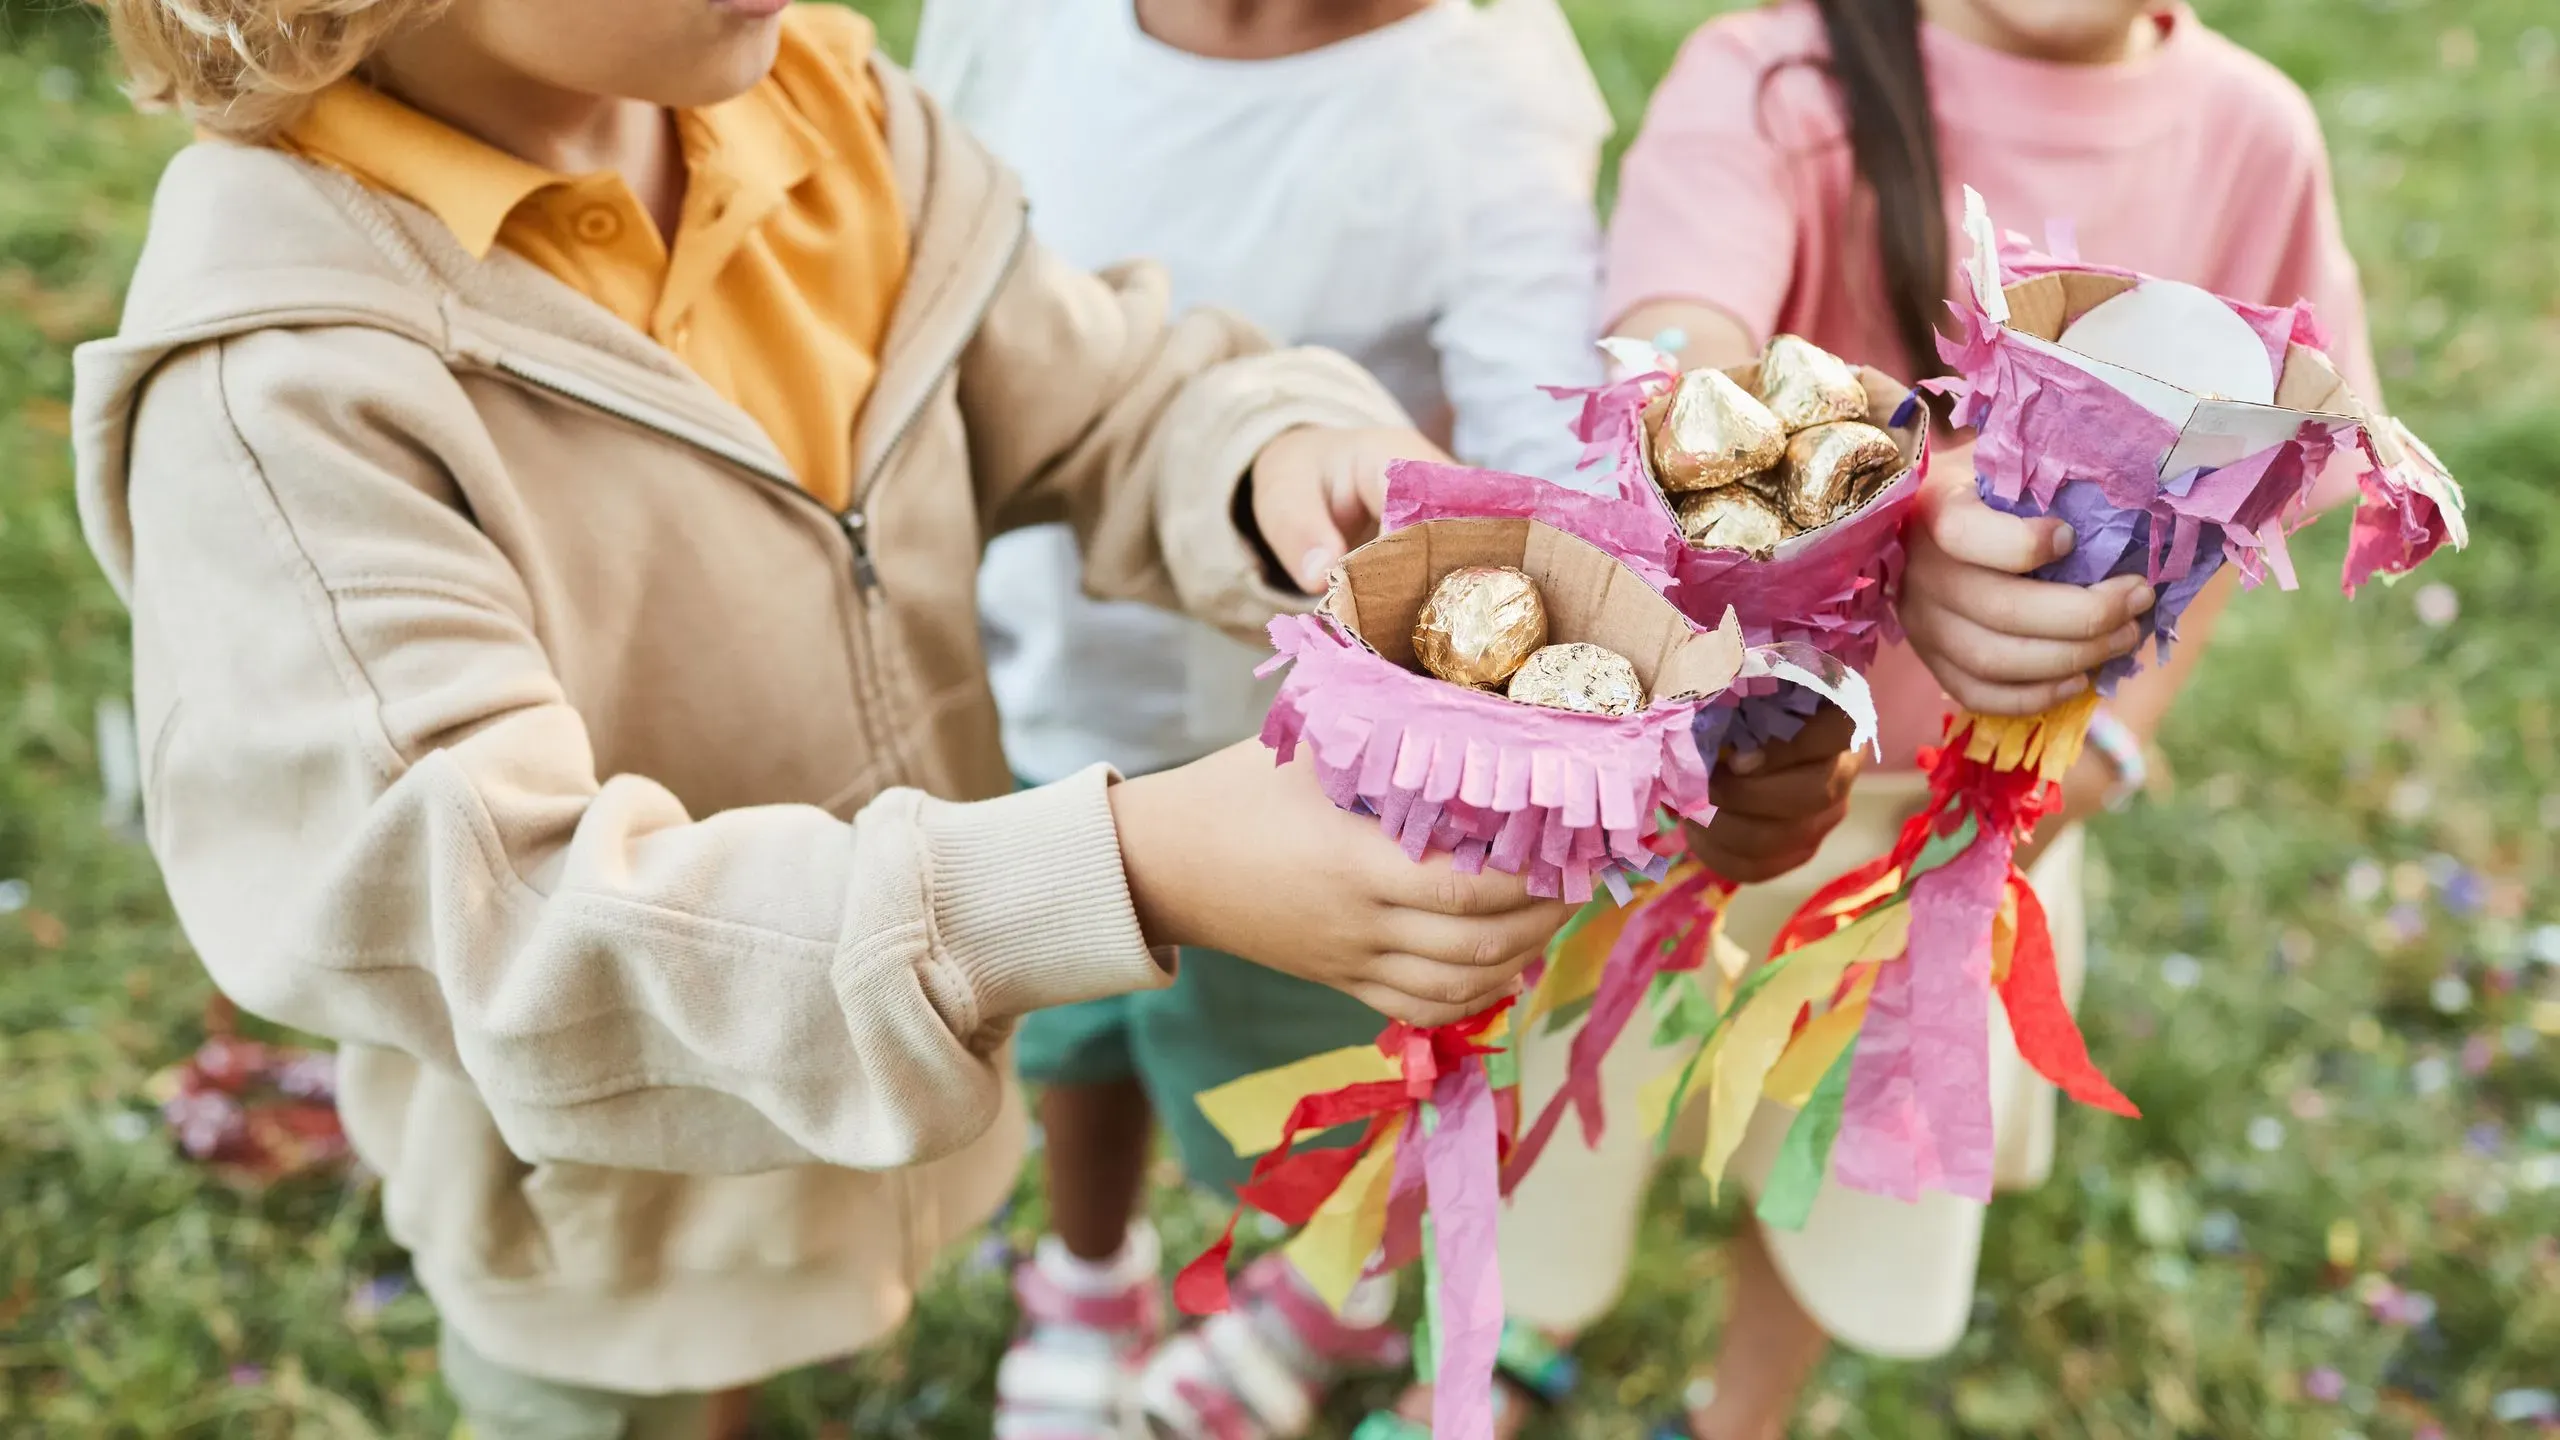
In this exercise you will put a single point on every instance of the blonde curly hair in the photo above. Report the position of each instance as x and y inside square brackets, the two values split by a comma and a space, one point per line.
[244, 69]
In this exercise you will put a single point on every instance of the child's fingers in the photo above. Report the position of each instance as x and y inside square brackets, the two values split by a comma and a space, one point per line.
[1397, 1005]
[1438, 887]
[1420, 981]
[1970, 531]
[1798, 790]
[1356, 492]
[1988, 697]
[2010, 659]
[1821, 741]
[1749, 850]
[2042, 609]
[1478, 944]
[1306, 540]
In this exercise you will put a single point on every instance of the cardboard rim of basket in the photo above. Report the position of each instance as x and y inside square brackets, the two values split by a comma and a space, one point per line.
[2218, 431]
[1885, 398]
[1375, 594]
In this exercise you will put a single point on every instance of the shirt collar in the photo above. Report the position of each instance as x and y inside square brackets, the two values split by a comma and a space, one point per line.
[470, 185]
[758, 144]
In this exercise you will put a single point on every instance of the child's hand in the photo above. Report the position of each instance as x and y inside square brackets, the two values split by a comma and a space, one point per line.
[1775, 806]
[1238, 854]
[2000, 643]
[1318, 492]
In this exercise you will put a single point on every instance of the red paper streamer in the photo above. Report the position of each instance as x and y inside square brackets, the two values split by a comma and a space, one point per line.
[1290, 1187]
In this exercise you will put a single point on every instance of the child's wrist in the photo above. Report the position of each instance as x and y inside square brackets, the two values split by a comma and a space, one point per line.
[1139, 815]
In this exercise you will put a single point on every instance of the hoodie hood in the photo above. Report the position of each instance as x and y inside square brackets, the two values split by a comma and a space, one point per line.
[317, 249]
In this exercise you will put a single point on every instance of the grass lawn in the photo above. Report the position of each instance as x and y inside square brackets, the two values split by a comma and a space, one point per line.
[2328, 958]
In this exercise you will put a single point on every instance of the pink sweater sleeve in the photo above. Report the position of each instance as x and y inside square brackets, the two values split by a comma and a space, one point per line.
[1705, 210]
[2313, 263]
[2316, 266]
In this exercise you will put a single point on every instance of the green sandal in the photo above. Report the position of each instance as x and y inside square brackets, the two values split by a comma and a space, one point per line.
[1525, 1361]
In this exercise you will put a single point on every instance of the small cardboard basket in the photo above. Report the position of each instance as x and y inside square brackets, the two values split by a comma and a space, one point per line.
[1566, 801]
[1378, 591]
[2213, 431]
[1888, 400]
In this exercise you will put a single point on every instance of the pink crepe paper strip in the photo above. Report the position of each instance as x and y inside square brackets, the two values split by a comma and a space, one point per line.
[1918, 1112]
[1633, 535]
[2399, 521]
[1661, 939]
[1563, 800]
[1460, 1167]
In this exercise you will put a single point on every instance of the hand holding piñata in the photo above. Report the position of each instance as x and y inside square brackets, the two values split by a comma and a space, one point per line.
[2176, 432]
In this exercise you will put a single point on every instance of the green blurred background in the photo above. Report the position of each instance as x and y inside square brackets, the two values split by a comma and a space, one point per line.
[2328, 955]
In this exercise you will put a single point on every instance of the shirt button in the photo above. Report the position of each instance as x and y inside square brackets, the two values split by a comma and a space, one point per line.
[598, 225]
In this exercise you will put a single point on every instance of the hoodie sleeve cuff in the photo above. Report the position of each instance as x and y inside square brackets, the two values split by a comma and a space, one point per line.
[1241, 406]
[1030, 903]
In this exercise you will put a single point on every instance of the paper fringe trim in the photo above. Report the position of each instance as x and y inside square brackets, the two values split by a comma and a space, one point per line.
[2046, 744]
[1565, 801]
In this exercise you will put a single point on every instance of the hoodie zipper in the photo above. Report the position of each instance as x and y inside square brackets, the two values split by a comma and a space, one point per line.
[857, 525]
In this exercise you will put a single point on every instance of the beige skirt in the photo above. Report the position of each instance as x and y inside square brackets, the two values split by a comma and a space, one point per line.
[1880, 1275]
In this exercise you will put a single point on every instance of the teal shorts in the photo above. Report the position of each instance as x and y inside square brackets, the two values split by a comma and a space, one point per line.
[1221, 1019]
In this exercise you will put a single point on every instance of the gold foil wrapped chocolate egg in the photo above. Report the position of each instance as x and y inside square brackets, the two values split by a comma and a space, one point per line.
[1586, 679]
[1709, 432]
[1805, 385]
[1737, 517]
[1833, 469]
[1479, 624]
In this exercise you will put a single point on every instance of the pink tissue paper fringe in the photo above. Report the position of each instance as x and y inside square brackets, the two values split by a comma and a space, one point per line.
[1566, 801]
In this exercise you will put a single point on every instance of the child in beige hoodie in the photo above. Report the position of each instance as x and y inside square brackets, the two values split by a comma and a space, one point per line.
[547, 454]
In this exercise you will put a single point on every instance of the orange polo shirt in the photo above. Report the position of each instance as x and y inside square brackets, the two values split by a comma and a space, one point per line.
[787, 258]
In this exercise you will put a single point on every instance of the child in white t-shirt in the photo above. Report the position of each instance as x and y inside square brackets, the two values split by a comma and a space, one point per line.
[1409, 182]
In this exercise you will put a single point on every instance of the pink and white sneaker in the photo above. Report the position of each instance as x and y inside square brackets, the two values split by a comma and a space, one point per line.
[1072, 1370]
[1258, 1371]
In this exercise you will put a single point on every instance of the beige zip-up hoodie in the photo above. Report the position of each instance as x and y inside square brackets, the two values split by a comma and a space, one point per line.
[637, 824]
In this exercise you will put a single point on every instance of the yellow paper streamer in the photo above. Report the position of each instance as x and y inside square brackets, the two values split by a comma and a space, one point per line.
[1809, 1056]
[1748, 1045]
[2004, 937]
[1732, 961]
[1654, 1101]
[1575, 963]
[1334, 1248]
[2048, 742]
[1885, 885]
[1251, 1111]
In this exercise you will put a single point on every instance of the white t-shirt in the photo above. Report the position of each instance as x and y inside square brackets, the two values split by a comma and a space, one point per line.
[1419, 197]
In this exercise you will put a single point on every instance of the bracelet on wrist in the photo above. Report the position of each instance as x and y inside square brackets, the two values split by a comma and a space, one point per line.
[2116, 743]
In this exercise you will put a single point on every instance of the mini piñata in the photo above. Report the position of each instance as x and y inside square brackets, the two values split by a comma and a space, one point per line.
[1569, 800]
[2177, 432]
[1807, 466]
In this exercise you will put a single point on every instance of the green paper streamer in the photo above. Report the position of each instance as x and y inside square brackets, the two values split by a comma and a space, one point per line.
[1786, 1200]
[1567, 1014]
[1682, 1008]
[1574, 926]
[1940, 850]
[1742, 993]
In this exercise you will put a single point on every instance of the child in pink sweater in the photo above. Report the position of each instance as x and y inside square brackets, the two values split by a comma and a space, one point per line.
[1799, 171]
